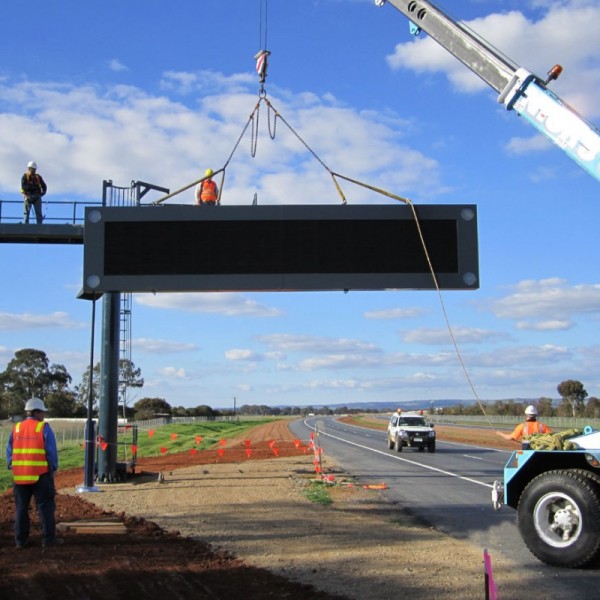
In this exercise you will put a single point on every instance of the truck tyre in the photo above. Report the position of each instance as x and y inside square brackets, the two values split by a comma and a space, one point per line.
[431, 447]
[390, 443]
[398, 444]
[559, 517]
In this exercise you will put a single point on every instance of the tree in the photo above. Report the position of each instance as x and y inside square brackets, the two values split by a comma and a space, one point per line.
[129, 376]
[82, 390]
[544, 407]
[64, 404]
[573, 395]
[30, 374]
[149, 408]
[592, 408]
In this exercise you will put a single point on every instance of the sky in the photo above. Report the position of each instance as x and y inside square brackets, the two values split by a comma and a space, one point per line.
[156, 91]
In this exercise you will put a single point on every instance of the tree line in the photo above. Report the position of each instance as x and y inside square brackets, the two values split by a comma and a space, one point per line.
[574, 402]
[29, 373]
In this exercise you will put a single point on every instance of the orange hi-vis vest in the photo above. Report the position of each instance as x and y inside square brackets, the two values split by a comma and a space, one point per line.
[29, 452]
[530, 428]
[208, 191]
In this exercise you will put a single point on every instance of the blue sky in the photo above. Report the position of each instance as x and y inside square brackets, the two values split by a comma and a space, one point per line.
[158, 91]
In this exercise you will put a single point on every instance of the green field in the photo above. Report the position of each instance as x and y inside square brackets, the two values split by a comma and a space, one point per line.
[70, 451]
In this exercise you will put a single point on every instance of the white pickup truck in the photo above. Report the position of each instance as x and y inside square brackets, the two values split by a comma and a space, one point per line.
[411, 430]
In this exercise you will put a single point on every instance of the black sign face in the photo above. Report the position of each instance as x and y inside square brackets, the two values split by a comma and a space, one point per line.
[279, 248]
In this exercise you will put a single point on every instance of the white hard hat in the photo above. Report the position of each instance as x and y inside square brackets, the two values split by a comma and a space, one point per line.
[531, 410]
[31, 165]
[35, 404]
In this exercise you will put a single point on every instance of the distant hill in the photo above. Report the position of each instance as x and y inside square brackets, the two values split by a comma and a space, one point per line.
[411, 404]
[391, 406]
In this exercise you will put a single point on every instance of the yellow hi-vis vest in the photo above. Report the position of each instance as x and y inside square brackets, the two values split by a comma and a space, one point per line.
[29, 452]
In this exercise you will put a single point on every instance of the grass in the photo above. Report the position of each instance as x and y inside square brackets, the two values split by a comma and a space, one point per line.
[175, 438]
[317, 492]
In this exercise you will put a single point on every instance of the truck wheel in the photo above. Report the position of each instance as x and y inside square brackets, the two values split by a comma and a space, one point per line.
[398, 444]
[390, 443]
[431, 447]
[559, 517]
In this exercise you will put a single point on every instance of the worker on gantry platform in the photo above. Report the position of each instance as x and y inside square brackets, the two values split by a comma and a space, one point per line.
[207, 191]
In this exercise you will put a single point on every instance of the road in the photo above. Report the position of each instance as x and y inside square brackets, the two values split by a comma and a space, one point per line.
[450, 490]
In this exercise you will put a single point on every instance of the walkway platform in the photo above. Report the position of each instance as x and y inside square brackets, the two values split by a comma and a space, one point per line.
[20, 233]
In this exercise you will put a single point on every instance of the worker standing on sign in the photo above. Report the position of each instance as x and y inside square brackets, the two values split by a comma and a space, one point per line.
[33, 187]
[524, 431]
[207, 191]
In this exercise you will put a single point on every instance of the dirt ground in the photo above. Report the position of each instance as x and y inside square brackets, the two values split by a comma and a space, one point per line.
[233, 523]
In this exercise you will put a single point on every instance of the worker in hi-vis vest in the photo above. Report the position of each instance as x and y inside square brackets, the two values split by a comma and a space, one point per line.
[32, 455]
[207, 191]
[523, 431]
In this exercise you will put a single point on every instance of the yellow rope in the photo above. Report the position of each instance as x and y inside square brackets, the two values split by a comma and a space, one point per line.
[431, 269]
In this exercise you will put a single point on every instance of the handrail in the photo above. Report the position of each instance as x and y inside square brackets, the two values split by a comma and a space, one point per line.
[73, 216]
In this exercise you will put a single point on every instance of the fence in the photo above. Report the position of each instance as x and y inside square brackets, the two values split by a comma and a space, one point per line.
[55, 211]
[70, 432]
[511, 421]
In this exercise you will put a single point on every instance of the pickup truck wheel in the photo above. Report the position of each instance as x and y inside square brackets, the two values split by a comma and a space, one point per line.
[390, 443]
[559, 517]
[431, 447]
[398, 445]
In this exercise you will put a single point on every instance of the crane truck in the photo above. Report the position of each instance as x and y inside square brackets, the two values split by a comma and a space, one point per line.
[518, 89]
[556, 493]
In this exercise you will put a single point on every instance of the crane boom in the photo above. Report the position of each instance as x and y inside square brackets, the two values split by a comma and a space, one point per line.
[518, 89]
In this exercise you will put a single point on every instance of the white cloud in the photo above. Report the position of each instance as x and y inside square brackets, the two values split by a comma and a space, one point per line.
[161, 346]
[470, 335]
[173, 372]
[85, 134]
[395, 313]
[308, 343]
[116, 65]
[524, 356]
[550, 325]
[536, 143]
[206, 82]
[548, 303]
[18, 322]
[242, 354]
[226, 304]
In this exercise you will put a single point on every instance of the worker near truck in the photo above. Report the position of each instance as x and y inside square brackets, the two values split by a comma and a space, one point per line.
[33, 187]
[207, 191]
[32, 455]
[523, 431]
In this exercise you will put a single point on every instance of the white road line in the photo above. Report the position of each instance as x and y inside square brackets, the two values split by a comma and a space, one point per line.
[406, 460]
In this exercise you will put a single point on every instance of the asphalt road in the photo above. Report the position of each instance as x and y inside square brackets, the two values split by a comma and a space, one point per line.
[450, 490]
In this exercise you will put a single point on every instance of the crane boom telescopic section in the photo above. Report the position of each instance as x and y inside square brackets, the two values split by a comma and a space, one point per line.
[518, 89]
[475, 53]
